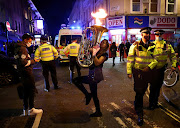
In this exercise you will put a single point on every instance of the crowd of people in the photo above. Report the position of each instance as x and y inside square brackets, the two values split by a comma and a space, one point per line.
[144, 57]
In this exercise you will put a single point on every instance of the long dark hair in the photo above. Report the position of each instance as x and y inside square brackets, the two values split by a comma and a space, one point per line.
[103, 50]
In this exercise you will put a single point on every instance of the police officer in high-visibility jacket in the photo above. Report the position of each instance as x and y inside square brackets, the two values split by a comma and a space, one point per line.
[73, 53]
[47, 54]
[162, 51]
[140, 62]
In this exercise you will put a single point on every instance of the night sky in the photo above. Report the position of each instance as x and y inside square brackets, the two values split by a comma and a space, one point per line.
[54, 12]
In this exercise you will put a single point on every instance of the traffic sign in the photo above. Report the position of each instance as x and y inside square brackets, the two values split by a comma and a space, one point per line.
[8, 26]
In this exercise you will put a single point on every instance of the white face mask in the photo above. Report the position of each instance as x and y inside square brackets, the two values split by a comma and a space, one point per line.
[158, 38]
[29, 44]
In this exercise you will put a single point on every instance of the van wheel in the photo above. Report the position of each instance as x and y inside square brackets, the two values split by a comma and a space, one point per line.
[6, 78]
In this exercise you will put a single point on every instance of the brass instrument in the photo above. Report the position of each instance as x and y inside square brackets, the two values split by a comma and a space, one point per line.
[84, 56]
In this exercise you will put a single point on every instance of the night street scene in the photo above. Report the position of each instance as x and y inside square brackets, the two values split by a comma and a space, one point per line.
[89, 64]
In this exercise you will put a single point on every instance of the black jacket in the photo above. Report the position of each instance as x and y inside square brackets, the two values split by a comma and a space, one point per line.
[23, 58]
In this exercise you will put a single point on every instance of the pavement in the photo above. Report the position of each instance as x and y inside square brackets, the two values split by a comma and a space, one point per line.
[11, 105]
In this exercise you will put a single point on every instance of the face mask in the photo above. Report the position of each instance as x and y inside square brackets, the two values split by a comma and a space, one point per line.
[158, 38]
[28, 44]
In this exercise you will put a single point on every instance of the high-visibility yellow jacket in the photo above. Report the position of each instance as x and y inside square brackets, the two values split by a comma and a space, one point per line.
[139, 57]
[46, 52]
[73, 49]
[161, 53]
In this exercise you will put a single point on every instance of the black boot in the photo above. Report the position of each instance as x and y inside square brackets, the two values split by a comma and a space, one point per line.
[153, 106]
[140, 120]
[96, 114]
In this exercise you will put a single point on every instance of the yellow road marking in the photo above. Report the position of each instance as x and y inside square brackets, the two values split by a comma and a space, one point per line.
[167, 111]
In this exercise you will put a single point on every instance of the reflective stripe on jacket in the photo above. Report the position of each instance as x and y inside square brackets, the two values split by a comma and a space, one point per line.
[46, 52]
[162, 52]
[73, 49]
[140, 57]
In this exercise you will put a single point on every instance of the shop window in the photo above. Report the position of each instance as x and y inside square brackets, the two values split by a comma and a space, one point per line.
[136, 5]
[170, 5]
[153, 5]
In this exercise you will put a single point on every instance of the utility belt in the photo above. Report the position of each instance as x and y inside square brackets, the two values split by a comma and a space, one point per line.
[141, 75]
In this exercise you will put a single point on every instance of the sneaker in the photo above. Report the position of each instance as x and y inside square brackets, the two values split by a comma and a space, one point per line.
[34, 111]
[46, 90]
[25, 113]
[96, 114]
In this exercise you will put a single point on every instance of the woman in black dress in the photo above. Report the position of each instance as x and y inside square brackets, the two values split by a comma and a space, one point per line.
[94, 77]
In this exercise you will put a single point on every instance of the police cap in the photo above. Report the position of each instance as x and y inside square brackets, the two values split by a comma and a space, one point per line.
[27, 36]
[159, 32]
[43, 39]
[146, 30]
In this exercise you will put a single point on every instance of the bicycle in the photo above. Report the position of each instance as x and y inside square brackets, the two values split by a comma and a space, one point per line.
[171, 77]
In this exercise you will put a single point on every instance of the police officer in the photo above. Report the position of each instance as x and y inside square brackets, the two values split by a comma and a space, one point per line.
[47, 54]
[73, 53]
[161, 52]
[25, 63]
[139, 63]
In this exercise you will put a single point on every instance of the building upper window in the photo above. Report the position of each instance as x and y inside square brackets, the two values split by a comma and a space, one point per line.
[170, 5]
[153, 5]
[135, 5]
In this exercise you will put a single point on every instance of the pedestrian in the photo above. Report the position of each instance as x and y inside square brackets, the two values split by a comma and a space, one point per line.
[73, 53]
[25, 63]
[140, 62]
[178, 49]
[94, 77]
[121, 50]
[161, 53]
[47, 54]
[113, 50]
[127, 46]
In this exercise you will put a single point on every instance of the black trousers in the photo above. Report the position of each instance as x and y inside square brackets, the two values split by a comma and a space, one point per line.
[28, 82]
[113, 59]
[156, 84]
[49, 66]
[78, 81]
[122, 55]
[73, 63]
[141, 80]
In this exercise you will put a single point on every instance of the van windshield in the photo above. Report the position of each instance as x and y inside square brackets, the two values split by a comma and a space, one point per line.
[66, 39]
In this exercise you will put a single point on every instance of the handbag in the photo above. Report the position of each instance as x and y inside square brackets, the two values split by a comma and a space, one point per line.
[20, 90]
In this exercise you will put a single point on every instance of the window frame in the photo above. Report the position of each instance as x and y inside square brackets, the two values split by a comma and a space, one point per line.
[167, 3]
[132, 7]
[158, 7]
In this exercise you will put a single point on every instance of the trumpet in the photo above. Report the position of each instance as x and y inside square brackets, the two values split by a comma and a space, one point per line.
[91, 37]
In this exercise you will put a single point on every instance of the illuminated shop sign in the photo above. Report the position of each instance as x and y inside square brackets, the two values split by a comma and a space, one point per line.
[116, 22]
[40, 24]
[138, 21]
[162, 22]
